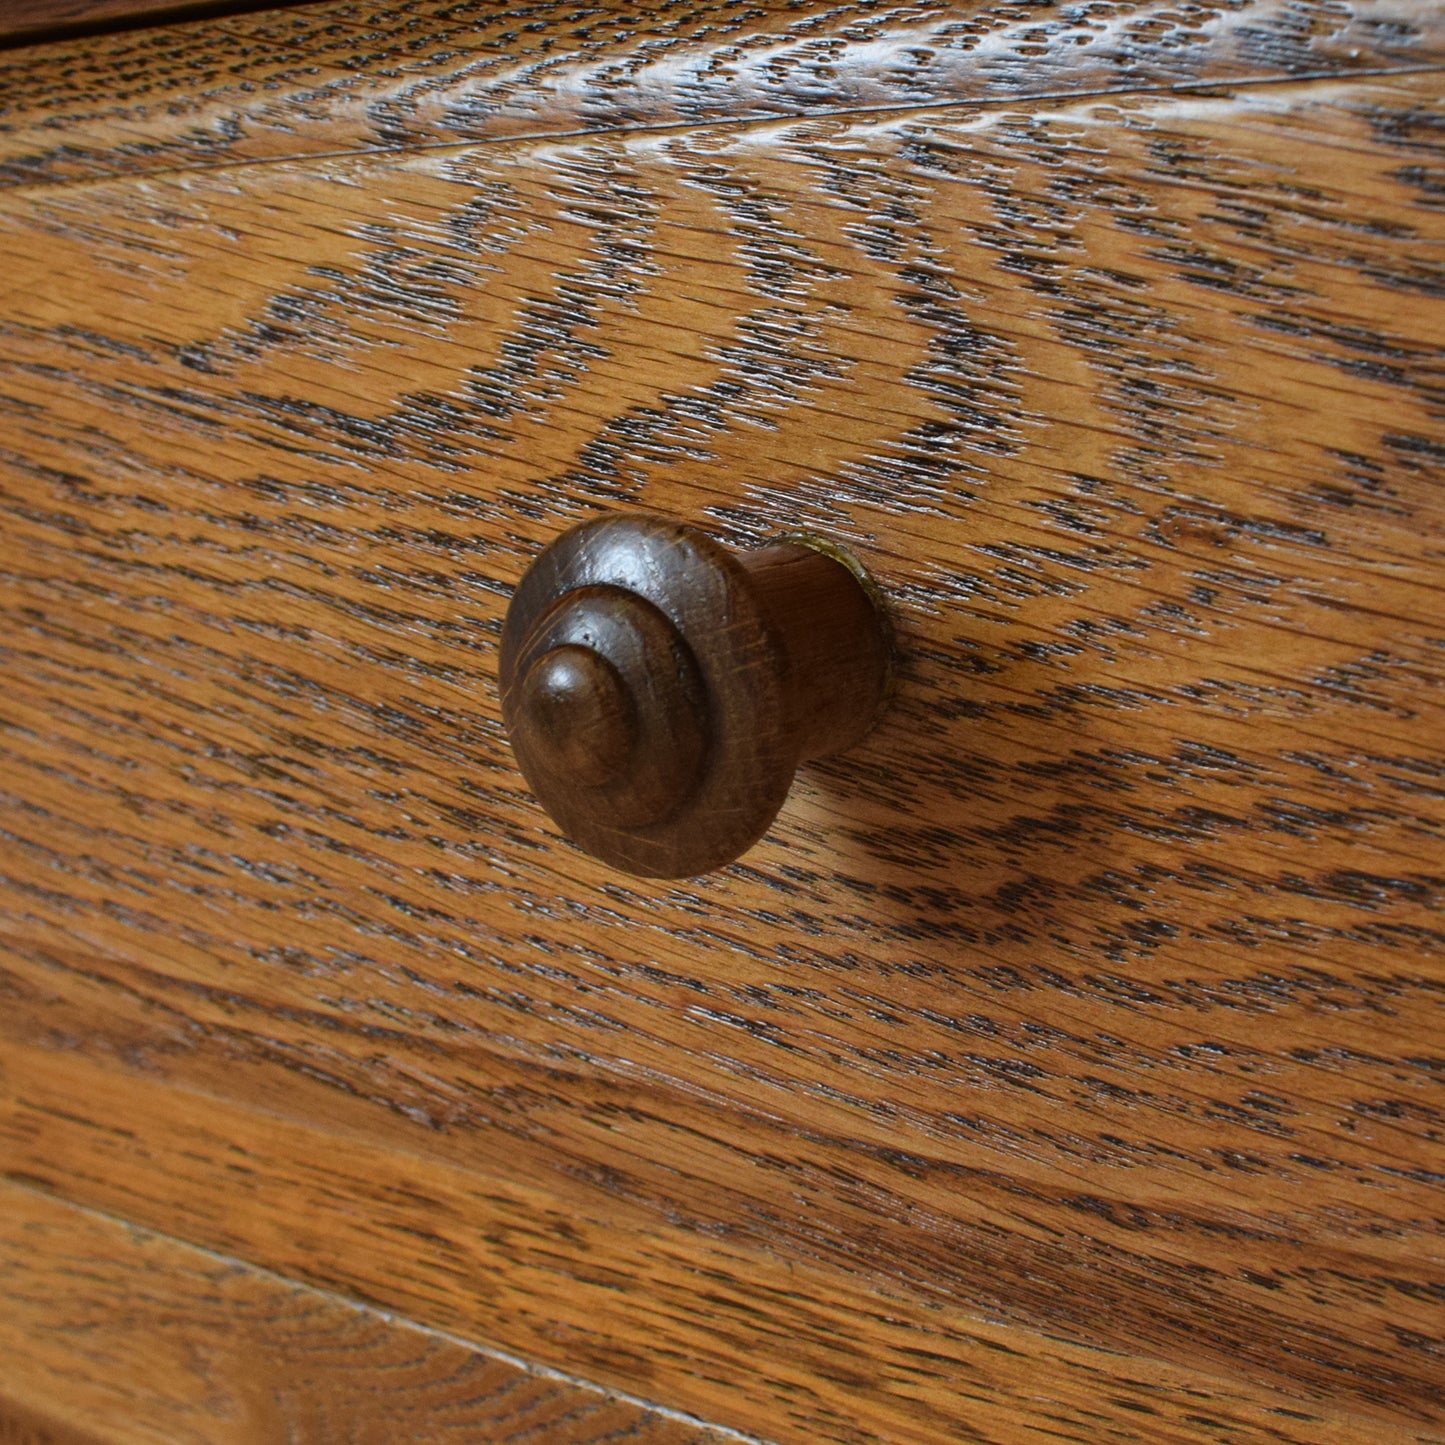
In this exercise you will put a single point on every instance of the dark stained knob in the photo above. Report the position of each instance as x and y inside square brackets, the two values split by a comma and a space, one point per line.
[660, 690]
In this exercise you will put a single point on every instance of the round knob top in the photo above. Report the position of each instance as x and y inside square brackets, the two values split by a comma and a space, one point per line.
[607, 713]
[577, 715]
[660, 690]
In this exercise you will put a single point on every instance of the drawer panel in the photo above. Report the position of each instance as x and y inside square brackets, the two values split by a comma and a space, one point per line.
[1067, 1053]
[343, 75]
[193, 1349]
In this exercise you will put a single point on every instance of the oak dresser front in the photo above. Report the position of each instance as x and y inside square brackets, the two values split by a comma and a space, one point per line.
[1065, 1061]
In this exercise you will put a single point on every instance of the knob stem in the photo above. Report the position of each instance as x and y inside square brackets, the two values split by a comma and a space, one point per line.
[832, 633]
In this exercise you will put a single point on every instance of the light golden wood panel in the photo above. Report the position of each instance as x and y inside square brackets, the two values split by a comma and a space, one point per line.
[111, 1333]
[815, 1352]
[1092, 1007]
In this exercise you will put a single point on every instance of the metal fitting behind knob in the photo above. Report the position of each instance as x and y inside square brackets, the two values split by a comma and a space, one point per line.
[660, 690]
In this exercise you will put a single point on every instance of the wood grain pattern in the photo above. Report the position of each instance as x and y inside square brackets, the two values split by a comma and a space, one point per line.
[679, 1304]
[114, 1334]
[359, 75]
[1067, 1063]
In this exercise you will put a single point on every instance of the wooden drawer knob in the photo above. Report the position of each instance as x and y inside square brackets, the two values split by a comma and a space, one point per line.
[660, 690]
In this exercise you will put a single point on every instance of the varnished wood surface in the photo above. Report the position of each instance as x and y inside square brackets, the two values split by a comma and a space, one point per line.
[609, 1285]
[1067, 1064]
[360, 75]
[113, 1334]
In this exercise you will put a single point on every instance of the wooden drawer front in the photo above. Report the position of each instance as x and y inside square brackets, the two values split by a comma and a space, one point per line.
[1066, 1061]
[184, 1347]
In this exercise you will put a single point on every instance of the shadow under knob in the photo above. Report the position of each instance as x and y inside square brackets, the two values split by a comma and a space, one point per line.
[660, 690]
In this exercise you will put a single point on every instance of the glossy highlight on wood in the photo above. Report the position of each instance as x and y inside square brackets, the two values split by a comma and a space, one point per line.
[1065, 1062]
[363, 76]
[660, 691]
